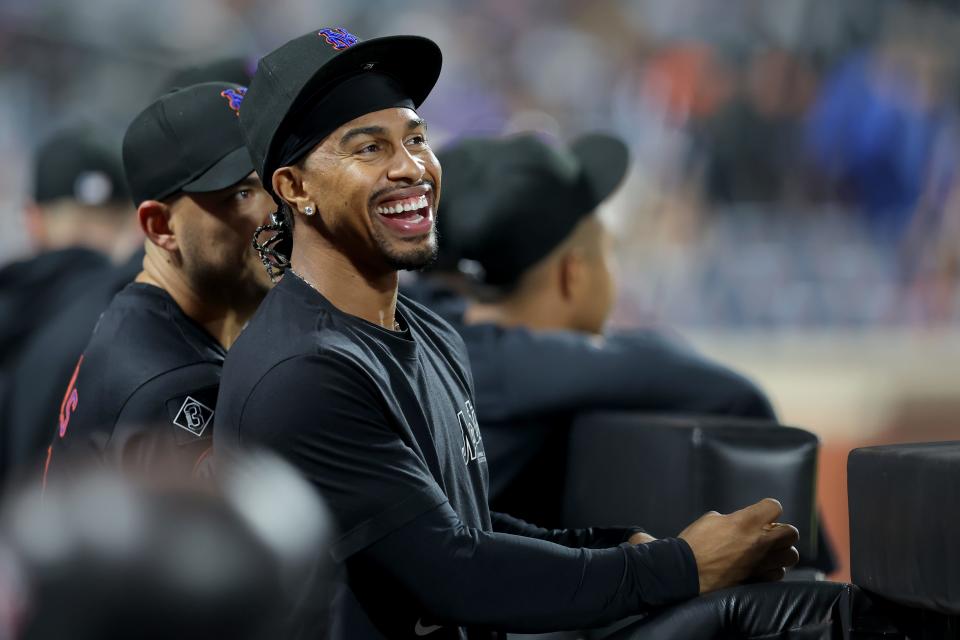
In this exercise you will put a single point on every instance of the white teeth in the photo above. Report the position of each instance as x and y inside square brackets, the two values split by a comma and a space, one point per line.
[419, 203]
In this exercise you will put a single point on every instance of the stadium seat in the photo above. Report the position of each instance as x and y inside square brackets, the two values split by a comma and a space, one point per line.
[664, 472]
[904, 527]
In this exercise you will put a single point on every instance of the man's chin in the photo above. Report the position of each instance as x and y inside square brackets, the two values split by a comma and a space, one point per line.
[410, 258]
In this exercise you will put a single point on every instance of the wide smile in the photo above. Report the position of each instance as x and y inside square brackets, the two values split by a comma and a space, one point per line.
[407, 213]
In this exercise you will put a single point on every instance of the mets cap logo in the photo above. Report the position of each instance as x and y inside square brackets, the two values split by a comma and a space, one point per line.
[338, 38]
[234, 97]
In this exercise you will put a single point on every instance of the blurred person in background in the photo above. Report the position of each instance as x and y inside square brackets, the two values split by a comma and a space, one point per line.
[370, 395]
[538, 298]
[113, 557]
[541, 295]
[43, 368]
[78, 219]
[147, 380]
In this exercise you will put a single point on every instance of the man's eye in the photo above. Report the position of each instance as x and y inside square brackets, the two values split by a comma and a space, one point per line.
[418, 139]
[243, 194]
[369, 148]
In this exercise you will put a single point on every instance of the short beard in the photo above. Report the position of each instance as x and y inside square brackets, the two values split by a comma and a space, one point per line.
[414, 259]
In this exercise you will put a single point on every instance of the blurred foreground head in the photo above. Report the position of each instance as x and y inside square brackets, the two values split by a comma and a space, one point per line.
[519, 216]
[108, 558]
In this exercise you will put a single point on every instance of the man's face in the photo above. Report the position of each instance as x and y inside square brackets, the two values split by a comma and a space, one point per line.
[376, 184]
[214, 232]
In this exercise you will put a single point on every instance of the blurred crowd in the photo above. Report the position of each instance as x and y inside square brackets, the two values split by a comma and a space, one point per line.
[796, 162]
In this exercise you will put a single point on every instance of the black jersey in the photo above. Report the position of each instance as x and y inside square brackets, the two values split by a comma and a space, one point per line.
[143, 391]
[44, 365]
[383, 423]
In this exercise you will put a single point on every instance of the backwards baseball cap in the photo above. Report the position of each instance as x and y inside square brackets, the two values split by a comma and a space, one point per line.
[74, 164]
[313, 84]
[188, 140]
[509, 202]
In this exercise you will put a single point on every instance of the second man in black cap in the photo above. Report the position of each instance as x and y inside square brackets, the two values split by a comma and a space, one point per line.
[147, 381]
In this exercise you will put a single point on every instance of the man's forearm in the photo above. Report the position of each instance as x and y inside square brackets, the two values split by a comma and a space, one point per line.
[590, 537]
[513, 583]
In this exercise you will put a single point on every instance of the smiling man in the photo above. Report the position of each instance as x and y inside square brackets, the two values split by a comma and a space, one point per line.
[370, 395]
[145, 388]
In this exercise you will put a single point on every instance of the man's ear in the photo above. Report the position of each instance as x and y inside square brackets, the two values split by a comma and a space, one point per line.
[287, 184]
[155, 221]
[36, 226]
[572, 268]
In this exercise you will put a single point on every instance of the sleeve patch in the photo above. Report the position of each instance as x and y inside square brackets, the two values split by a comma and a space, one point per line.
[193, 413]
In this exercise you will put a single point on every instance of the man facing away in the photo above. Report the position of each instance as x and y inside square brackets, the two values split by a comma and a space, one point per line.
[145, 388]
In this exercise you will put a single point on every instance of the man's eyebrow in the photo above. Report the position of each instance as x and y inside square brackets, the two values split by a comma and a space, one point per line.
[361, 131]
[413, 123]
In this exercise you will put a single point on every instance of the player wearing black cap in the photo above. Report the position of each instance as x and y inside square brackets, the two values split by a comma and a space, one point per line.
[78, 219]
[45, 363]
[370, 394]
[542, 296]
[147, 381]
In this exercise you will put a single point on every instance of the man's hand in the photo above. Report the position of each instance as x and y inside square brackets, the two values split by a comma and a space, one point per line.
[746, 544]
[640, 538]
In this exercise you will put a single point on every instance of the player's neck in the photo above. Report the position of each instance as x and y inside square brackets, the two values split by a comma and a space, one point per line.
[353, 290]
[222, 321]
[529, 312]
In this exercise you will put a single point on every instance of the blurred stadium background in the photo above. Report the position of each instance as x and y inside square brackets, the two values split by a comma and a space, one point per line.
[794, 205]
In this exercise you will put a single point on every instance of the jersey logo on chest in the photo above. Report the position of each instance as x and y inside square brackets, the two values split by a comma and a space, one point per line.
[194, 416]
[472, 448]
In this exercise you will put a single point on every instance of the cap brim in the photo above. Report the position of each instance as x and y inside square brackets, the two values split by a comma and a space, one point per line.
[228, 171]
[604, 161]
[413, 61]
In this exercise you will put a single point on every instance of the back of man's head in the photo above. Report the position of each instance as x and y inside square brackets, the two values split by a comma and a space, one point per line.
[518, 217]
[79, 195]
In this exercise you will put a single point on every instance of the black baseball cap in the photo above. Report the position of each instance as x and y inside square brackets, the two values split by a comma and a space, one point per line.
[76, 164]
[310, 68]
[508, 202]
[187, 140]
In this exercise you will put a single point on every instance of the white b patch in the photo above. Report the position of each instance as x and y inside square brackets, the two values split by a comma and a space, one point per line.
[193, 416]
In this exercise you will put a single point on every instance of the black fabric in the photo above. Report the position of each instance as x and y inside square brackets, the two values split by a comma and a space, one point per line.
[530, 386]
[43, 368]
[507, 582]
[181, 137]
[904, 523]
[589, 537]
[144, 391]
[383, 424]
[352, 98]
[719, 464]
[785, 611]
[33, 290]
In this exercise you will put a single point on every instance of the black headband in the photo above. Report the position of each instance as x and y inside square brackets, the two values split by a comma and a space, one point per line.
[356, 96]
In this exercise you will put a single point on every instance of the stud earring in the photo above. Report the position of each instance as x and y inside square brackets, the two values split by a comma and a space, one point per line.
[308, 210]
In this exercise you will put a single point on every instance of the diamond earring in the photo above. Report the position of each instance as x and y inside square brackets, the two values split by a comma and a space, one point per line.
[308, 210]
